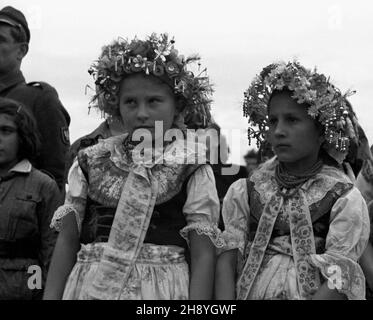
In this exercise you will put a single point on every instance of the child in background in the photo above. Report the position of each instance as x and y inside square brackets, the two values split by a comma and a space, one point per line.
[28, 199]
[298, 225]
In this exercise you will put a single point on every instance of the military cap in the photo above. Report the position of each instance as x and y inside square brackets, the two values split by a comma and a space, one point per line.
[15, 18]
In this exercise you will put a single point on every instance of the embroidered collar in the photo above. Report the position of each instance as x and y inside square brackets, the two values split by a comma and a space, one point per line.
[177, 152]
[315, 188]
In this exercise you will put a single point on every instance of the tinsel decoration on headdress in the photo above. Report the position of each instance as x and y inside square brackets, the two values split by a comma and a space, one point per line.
[326, 104]
[154, 56]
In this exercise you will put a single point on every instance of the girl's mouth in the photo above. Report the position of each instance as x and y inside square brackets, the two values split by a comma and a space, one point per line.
[281, 146]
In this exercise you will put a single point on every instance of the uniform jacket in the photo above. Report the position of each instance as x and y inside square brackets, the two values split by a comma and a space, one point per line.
[101, 132]
[52, 120]
[28, 199]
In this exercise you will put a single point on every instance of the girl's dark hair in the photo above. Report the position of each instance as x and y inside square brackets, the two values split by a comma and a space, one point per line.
[28, 134]
[284, 90]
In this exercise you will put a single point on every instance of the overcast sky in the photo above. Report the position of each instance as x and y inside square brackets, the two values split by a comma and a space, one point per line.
[235, 39]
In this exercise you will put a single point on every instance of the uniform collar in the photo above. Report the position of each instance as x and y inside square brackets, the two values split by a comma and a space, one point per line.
[23, 166]
[11, 79]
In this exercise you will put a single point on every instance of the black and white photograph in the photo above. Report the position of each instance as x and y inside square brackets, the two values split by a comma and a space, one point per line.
[212, 151]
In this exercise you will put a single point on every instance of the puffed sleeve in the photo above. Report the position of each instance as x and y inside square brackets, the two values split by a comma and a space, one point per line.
[202, 206]
[235, 214]
[370, 212]
[346, 240]
[76, 198]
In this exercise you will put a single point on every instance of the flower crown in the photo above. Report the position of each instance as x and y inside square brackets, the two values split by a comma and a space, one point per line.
[157, 56]
[326, 104]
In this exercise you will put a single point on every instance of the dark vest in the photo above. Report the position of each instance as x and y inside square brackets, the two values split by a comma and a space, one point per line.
[320, 213]
[166, 222]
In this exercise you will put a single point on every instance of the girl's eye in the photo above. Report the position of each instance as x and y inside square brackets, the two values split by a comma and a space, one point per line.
[293, 120]
[154, 100]
[272, 121]
[129, 101]
[7, 131]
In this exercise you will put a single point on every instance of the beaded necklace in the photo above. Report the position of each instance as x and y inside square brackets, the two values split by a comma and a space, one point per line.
[290, 183]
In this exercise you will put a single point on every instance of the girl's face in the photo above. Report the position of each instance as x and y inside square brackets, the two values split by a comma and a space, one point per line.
[143, 100]
[8, 142]
[293, 134]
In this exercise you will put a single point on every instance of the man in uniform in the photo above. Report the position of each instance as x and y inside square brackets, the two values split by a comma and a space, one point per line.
[39, 97]
[106, 129]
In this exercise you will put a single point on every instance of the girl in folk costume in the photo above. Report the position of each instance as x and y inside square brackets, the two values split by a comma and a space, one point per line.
[130, 223]
[364, 182]
[298, 225]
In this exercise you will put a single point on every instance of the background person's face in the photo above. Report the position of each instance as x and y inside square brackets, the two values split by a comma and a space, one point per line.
[9, 50]
[143, 100]
[8, 142]
[295, 138]
[251, 164]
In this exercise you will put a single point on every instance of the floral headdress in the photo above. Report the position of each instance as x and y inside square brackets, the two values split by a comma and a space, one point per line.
[157, 56]
[326, 104]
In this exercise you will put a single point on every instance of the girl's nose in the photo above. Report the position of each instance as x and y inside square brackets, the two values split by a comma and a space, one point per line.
[280, 129]
[142, 112]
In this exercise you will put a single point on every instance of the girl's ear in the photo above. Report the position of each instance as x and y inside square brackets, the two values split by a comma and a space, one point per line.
[177, 111]
[320, 129]
[179, 121]
[179, 103]
[321, 139]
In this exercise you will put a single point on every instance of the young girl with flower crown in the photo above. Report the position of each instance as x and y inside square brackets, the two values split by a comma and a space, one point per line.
[129, 225]
[297, 226]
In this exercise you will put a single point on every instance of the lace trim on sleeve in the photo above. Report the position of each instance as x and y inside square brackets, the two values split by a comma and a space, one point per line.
[61, 212]
[342, 274]
[232, 242]
[207, 229]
